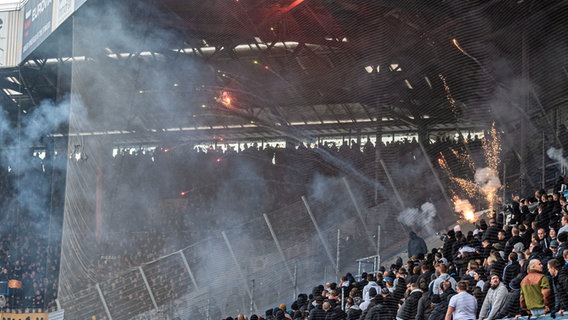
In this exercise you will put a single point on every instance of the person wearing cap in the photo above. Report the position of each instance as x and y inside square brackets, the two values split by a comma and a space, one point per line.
[554, 248]
[535, 290]
[562, 242]
[519, 247]
[494, 300]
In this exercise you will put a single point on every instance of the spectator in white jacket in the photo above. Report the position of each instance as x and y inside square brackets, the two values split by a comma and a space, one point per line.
[372, 284]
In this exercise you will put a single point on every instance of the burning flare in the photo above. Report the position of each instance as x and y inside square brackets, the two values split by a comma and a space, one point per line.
[464, 208]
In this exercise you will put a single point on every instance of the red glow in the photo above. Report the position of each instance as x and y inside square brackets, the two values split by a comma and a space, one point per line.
[166, 150]
[183, 193]
[266, 67]
[218, 160]
[292, 5]
[225, 98]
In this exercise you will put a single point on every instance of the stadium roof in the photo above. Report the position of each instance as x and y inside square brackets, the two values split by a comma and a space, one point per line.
[320, 67]
[9, 5]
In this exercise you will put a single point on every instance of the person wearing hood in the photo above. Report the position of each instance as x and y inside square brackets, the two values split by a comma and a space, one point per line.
[416, 245]
[494, 300]
[376, 299]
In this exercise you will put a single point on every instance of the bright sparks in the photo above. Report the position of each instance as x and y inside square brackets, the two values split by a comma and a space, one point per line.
[443, 163]
[449, 96]
[464, 157]
[492, 149]
[467, 186]
[488, 178]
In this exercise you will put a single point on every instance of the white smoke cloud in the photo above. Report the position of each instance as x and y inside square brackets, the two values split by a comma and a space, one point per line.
[557, 155]
[487, 179]
[419, 217]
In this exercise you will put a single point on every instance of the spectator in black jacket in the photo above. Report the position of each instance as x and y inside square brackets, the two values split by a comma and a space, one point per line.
[410, 306]
[492, 231]
[442, 301]
[512, 269]
[377, 299]
[553, 268]
[563, 283]
[447, 249]
[352, 307]
[425, 303]
[317, 312]
[416, 245]
[515, 238]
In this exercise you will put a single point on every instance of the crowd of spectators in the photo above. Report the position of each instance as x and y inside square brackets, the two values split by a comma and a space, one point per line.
[29, 249]
[32, 258]
[515, 264]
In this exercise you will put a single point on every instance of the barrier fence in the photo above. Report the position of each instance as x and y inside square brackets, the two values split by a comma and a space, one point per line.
[245, 269]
